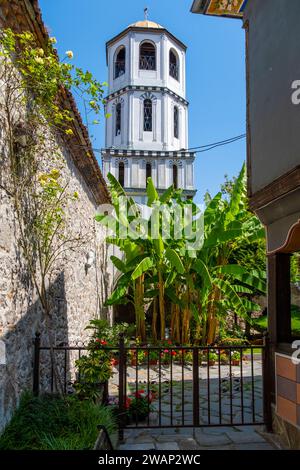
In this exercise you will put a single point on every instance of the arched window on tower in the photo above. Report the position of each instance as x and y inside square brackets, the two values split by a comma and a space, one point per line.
[118, 118]
[173, 65]
[121, 174]
[175, 176]
[147, 115]
[176, 122]
[120, 62]
[147, 56]
[148, 172]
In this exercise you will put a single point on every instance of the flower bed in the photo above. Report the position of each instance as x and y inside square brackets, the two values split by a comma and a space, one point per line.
[138, 405]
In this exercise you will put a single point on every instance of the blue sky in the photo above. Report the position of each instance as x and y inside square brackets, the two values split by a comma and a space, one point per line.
[215, 69]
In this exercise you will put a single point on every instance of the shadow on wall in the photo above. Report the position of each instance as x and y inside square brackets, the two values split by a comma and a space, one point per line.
[17, 373]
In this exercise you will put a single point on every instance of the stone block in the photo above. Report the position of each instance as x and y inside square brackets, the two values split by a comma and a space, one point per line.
[167, 446]
[245, 437]
[145, 446]
[188, 444]
[212, 440]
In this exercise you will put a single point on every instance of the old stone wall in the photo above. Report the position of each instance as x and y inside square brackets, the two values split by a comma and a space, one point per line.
[78, 291]
[81, 280]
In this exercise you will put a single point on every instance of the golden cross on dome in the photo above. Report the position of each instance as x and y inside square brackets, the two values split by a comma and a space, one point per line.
[146, 13]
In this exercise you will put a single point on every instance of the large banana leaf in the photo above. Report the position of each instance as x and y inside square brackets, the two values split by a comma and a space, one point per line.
[118, 263]
[242, 289]
[231, 296]
[151, 192]
[201, 268]
[241, 273]
[167, 195]
[174, 260]
[142, 267]
[115, 185]
[237, 194]
[118, 296]
[221, 237]
[170, 278]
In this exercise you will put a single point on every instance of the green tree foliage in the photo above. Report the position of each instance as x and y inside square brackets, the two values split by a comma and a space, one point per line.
[201, 285]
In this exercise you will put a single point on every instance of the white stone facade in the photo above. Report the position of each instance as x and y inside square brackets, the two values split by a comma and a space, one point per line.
[156, 77]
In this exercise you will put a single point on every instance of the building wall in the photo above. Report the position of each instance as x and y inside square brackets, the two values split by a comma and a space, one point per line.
[134, 76]
[132, 134]
[77, 291]
[274, 64]
[159, 147]
[162, 171]
[288, 395]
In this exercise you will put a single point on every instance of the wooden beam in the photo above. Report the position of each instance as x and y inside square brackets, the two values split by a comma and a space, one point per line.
[278, 188]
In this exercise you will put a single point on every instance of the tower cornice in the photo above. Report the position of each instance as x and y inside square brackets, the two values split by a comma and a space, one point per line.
[114, 152]
[145, 88]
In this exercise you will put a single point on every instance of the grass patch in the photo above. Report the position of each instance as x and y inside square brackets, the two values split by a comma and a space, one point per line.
[261, 322]
[255, 351]
[50, 422]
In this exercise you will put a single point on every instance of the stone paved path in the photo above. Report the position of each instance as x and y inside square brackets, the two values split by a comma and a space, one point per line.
[223, 399]
[223, 438]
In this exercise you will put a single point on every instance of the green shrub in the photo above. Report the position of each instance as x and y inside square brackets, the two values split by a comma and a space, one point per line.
[233, 342]
[50, 422]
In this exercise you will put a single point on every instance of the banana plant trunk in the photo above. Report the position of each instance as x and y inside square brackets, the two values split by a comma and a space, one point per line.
[186, 316]
[154, 320]
[212, 321]
[175, 323]
[161, 300]
[139, 308]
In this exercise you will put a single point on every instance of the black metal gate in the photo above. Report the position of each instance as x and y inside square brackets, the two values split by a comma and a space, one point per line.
[192, 386]
[174, 386]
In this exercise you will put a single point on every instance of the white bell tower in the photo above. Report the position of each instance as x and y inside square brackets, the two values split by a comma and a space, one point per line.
[147, 133]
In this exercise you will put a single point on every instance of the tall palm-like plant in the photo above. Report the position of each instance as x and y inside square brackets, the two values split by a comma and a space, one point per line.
[202, 283]
[228, 224]
[143, 262]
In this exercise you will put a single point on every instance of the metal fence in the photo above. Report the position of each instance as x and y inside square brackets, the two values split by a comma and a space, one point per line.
[179, 386]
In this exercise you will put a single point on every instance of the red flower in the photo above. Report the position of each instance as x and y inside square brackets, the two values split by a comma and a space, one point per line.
[174, 353]
[169, 342]
[103, 342]
[128, 402]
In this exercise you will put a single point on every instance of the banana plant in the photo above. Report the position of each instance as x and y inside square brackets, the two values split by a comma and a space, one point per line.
[203, 284]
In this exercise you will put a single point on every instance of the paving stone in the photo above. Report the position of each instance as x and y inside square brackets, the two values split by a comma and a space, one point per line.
[186, 431]
[169, 431]
[254, 446]
[245, 437]
[144, 446]
[212, 440]
[169, 438]
[215, 431]
[254, 428]
[229, 447]
[188, 444]
[140, 440]
[167, 446]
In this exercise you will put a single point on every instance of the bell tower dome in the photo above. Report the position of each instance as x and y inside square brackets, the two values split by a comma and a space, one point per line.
[147, 131]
